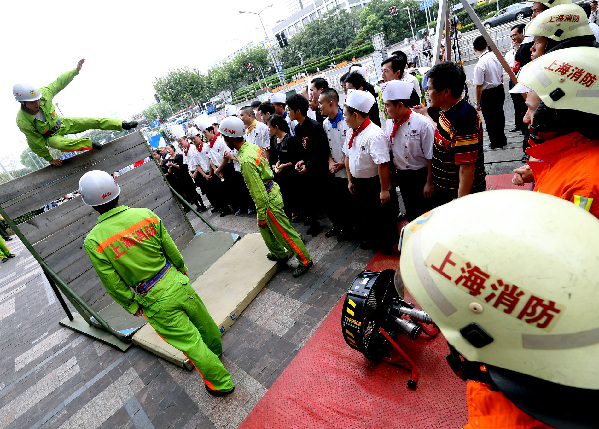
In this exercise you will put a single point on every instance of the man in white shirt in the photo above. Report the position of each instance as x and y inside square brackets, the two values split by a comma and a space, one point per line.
[338, 198]
[202, 175]
[367, 161]
[404, 75]
[411, 136]
[279, 100]
[490, 95]
[256, 132]
[190, 161]
[223, 170]
[594, 16]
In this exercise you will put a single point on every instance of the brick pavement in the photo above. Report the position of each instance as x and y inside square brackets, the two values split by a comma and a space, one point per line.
[52, 377]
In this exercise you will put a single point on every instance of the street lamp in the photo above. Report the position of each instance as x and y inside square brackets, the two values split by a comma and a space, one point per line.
[410, 19]
[266, 40]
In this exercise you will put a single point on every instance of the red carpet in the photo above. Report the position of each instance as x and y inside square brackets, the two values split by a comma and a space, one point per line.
[503, 181]
[330, 385]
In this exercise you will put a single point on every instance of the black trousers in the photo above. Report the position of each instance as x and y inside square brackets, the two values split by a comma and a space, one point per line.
[411, 184]
[491, 105]
[338, 202]
[376, 223]
[519, 111]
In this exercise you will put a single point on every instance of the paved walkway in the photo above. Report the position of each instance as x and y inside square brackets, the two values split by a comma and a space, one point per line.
[52, 377]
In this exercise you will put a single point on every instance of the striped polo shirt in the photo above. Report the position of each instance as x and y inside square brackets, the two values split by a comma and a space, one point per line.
[458, 140]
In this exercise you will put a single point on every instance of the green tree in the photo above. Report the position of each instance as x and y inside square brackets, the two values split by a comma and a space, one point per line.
[333, 31]
[31, 161]
[162, 109]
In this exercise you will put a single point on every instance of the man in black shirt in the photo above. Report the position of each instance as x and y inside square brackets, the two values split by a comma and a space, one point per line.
[313, 167]
[356, 81]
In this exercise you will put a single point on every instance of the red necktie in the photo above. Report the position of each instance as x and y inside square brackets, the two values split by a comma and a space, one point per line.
[214, 140]
[396, 124]
[187, 150]
[356, 132]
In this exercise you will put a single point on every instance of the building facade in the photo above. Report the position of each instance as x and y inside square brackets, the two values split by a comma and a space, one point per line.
[304, 11]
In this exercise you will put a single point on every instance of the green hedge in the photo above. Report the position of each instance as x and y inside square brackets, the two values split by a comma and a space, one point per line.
[249, 91]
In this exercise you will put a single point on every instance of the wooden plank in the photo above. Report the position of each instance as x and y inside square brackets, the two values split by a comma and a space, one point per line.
[65, 214]
[74, 229]
[34, 198]
[114, 151]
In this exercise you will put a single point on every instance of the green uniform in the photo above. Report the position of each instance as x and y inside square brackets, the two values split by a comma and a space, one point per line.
[49, 133]
[129, 246]
[4, 250]
[258, 177]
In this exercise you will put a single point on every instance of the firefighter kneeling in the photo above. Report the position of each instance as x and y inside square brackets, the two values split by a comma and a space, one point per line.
[517, 302]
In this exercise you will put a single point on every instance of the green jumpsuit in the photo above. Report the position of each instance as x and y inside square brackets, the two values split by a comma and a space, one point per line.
[4, 250]
[129, 246]
[258, 177]
[48, 133]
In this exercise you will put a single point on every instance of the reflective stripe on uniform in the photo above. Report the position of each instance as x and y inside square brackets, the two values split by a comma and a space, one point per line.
[583, 202]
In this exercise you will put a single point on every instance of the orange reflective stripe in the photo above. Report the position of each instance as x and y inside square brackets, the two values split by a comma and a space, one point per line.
[210, 385]
[103, 245]
[286, 237]
[75, 150]
[259, 155]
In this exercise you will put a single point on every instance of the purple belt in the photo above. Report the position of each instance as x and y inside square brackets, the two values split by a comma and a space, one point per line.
[144, 287]
[51, 132]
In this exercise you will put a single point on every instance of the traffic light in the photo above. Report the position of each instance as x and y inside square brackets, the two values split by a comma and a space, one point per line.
[157, 98]
[282, 39]
[250, 67]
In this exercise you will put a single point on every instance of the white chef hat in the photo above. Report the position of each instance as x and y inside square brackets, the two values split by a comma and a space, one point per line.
[178, 131]
[202, 122]
[359, 100]
[278, 97]
[192, 132]
[230, 110]
[359, 69]
[397, 90]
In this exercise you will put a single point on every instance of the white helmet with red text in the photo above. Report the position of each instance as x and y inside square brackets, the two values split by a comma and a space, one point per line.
[98, 187]
[517, 299]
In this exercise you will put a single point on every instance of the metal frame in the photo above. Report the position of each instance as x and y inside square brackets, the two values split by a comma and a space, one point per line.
[442, 23]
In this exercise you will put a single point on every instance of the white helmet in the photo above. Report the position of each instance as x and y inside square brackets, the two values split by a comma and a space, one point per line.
[564, 79]
[26, 92]
[553, 3]
[520, 297]
[559, 23]
[232, 126]
[98, 187]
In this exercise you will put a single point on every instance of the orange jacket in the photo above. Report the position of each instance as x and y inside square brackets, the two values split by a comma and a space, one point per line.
[568, 169]
[492, 410]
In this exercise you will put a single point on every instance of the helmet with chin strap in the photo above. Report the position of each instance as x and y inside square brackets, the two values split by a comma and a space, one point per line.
[516, 301]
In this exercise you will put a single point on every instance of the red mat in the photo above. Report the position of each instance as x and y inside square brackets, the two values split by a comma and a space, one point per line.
[330, 385]
[503, 181]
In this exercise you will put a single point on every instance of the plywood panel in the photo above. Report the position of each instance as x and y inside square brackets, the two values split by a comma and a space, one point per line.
[34, 192]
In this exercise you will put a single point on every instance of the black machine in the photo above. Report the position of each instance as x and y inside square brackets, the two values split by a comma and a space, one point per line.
[375, 313]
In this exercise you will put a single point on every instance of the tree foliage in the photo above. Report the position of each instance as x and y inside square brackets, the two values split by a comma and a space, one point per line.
[334, 31]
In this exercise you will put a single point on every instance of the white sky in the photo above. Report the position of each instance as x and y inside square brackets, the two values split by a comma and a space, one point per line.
[126, 45]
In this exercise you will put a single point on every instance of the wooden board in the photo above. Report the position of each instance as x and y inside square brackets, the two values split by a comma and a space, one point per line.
[36, 189]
